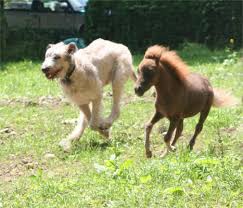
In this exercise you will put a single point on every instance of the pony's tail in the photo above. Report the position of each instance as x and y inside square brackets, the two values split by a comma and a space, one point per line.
[223, 99]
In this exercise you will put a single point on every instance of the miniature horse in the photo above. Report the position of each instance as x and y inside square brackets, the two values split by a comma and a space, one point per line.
[179, 94]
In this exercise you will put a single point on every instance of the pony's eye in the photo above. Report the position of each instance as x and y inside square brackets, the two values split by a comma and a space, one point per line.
[57, 57]
[148, 73]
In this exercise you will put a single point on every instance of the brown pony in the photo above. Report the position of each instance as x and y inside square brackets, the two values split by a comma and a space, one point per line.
[179, 94]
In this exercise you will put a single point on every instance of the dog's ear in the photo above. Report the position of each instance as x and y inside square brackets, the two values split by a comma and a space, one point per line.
[71, 48]
[49, 46]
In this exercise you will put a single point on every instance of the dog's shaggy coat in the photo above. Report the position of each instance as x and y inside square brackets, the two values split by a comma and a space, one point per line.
[83, 74]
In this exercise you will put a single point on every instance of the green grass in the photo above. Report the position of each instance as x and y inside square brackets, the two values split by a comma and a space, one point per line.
[98, 173]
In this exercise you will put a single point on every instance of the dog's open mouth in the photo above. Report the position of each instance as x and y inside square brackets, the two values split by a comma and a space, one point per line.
[52, 75]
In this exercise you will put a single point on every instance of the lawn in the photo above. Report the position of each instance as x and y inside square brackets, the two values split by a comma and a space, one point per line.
[34, 172]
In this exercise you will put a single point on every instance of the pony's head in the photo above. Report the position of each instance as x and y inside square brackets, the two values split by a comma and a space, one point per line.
[157, 59]
[147, 76]
[148, 70]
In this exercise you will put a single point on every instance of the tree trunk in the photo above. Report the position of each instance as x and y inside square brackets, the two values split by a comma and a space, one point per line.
[2, 32]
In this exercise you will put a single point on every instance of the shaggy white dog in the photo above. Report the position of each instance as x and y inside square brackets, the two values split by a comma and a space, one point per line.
[83, 74]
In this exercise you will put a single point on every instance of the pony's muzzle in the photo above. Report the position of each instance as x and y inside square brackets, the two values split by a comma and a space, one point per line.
[139, 91]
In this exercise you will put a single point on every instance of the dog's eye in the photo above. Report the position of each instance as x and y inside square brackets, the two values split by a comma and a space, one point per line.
[57, 57]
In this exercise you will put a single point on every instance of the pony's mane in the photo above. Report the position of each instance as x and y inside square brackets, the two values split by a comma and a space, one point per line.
[168, 59]
[155, 52]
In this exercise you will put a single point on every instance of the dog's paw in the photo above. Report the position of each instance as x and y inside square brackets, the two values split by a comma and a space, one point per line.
[65, 145]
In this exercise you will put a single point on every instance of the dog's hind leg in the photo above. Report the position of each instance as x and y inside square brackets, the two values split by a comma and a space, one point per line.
[96, 120]
[118, 81]
[78, 130]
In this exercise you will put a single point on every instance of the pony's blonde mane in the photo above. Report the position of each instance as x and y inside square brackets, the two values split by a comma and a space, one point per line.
[168, 59]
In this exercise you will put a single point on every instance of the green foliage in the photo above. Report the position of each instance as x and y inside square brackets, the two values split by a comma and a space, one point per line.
[31, 43]
[139, 24]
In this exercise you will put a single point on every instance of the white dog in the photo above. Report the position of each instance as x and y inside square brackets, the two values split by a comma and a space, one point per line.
[83, 74]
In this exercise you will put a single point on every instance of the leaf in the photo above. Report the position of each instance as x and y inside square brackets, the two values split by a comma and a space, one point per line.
[206, 161]
[126, 164]
[175, 190]
[110, 164]
[145, 179]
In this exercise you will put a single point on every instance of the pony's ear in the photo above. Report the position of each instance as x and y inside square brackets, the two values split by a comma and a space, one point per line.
[157, 61]
[49, 46]
[71, 48]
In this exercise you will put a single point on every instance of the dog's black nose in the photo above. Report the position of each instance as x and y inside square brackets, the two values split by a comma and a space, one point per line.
[45, 69]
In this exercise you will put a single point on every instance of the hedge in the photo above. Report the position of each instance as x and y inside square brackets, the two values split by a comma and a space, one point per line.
[139, 23]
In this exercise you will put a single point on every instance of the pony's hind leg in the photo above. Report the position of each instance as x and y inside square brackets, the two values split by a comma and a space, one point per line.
[179, 130]
[199, 126]
[148, 128]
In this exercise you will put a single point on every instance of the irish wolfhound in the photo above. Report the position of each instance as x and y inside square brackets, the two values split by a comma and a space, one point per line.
[83, 74]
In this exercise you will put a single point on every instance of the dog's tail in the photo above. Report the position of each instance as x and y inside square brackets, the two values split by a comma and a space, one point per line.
[223, 99]
[133, 76]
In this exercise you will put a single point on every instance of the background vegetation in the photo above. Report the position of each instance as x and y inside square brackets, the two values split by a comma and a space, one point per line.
[141, 23]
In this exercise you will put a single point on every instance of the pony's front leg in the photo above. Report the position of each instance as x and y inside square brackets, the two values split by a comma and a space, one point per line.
[83, 120]
[148, 128]
[168, 136]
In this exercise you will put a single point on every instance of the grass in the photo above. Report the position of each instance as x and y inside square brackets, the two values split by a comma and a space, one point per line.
[115, 173]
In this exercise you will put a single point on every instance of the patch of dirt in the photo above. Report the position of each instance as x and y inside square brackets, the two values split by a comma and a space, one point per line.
[232, 130]
[41, 101]
[17, 166]
[6, 133]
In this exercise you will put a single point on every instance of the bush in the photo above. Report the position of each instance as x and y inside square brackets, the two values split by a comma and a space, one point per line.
[141, 23]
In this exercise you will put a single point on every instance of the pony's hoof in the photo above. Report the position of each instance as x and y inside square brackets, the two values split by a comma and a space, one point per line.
[190, 146]
[164, 153]
[172, 148]
[65, 145]
[149, 154]
[105, 133]
[104, 126]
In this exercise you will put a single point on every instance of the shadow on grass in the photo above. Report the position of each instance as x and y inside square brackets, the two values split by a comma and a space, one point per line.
[79, 147]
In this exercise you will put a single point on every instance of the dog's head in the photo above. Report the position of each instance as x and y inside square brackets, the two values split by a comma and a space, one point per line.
[147, 76]
[58, 59]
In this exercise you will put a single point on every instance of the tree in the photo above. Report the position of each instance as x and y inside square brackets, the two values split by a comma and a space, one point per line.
[2, 31]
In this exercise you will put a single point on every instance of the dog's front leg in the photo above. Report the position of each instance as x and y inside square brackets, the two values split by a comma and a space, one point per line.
[84, 118]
